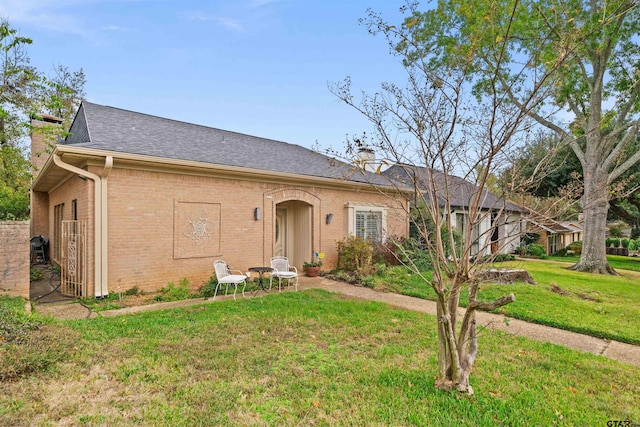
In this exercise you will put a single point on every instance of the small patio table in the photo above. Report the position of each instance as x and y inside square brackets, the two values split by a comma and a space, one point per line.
[261, 271]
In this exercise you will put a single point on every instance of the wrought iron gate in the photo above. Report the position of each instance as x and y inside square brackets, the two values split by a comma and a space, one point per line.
[73, 265]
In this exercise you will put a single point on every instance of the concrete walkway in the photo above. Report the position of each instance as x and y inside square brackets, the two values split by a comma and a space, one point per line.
[612, 349]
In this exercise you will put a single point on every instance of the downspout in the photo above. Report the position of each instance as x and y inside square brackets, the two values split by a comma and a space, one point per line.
[100, 229]
[108, 165]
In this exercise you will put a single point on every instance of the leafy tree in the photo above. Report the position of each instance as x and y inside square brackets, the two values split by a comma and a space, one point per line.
[14, 184]
[579, 56]
[18, 85]
[23, 92]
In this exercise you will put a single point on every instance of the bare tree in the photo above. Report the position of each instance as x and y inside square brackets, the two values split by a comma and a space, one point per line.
[445, 144]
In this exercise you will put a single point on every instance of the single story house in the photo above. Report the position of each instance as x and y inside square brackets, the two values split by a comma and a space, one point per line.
[129, 199]
[500, 224]
[554, 235]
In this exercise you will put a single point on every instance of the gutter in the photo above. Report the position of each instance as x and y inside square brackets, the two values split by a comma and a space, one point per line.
[100, 220]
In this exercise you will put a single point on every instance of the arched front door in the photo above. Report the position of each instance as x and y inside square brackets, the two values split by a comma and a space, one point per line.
[293, 231]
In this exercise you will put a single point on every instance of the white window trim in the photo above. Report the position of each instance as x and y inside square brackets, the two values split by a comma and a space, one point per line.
[352, 208]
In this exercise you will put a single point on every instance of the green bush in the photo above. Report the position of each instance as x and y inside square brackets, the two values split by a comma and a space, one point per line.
[354, 254]
[608, 242]
[175, 293]
[532, 250]
[632, 244]
[561, 253]
[616, 242]
[625, 243]
[576, 247]
[208, 289]
[132, 291]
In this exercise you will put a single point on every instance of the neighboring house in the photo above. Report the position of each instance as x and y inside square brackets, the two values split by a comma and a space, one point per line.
[554, 235]
[129, 199]
[499, 228]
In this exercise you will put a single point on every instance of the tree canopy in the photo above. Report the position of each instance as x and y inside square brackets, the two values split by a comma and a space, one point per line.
[572, 66]
[26, 92]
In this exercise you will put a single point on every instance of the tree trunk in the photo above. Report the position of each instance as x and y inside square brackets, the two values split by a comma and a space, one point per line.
[595, 205]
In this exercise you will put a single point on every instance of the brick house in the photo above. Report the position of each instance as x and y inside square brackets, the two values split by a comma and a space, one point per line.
[553, 235]
[129, 199]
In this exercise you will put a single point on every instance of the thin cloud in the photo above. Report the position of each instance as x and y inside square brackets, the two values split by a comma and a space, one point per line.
[114, 28]
[197, 16]
[231, 24]
[41, 14]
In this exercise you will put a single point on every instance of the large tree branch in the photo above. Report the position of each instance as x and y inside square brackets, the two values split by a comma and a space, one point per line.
[623, 110]
[632, 160]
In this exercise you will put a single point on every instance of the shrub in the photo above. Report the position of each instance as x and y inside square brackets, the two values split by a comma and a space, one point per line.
[625, 243]
[413, 252]
[496, 258]
[632, 244]
[532, 250]
[576, 247]
[561, 252]
[389, 252]
[354, 254]
[132, 291]
[175, 293]
[635, 233]
[609, 242]
[208, 289]
[616, 242]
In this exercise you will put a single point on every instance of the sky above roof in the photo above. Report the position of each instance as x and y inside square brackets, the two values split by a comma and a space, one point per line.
[259, 67]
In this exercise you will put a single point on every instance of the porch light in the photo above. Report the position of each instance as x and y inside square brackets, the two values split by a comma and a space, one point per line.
[256, 214]
[329, 218]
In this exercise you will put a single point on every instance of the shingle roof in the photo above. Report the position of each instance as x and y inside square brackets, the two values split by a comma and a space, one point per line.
[460, 190]
[114, 129]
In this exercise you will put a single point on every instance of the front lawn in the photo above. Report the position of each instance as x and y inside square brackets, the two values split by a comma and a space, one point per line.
[601, 306]
[307, 358]
[616, 261]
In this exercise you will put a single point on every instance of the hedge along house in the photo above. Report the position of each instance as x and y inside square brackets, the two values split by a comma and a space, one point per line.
[499, 226]
[129, 199]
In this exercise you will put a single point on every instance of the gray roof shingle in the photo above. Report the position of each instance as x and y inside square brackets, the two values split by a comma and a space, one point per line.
[113, 129]
[460, 190]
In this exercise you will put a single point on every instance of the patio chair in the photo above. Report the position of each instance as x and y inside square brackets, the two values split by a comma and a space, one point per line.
[282, 270]
[224, 276]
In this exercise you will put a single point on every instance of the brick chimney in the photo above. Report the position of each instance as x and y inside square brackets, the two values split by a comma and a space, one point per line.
[42, 140]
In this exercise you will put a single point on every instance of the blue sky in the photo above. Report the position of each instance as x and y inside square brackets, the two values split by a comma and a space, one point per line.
[260, 67]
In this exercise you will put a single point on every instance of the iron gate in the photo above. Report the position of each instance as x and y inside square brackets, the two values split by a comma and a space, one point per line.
[73, 266]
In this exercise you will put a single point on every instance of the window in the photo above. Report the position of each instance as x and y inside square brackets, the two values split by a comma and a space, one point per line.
[367, 221]
[369, 225]
[553, 243]
[58, 216]
[74, 209]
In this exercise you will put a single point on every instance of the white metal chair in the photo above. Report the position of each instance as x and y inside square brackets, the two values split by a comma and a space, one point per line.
[282, 270]
[224, 276]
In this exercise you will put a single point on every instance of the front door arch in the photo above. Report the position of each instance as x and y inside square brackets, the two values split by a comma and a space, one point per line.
[302, 211]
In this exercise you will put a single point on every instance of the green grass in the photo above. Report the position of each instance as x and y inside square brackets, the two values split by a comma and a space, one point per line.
[601, 306]
[616, 261]
[308, 358]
